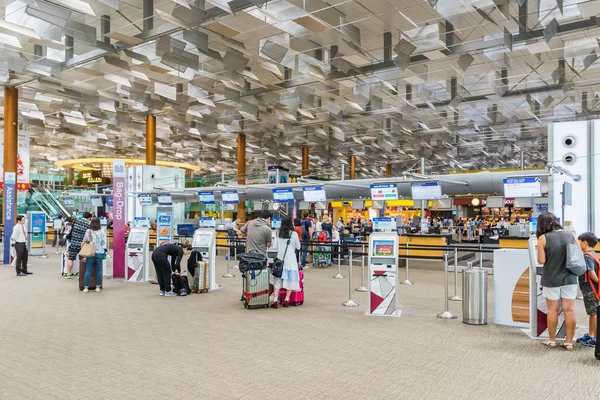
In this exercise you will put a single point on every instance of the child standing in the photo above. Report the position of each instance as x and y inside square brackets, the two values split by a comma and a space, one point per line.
[588, 283]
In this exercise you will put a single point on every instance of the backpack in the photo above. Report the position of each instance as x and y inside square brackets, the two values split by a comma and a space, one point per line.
[322, 237]
[596, 289]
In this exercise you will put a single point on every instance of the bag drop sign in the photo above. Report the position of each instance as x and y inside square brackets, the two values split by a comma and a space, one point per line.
[119, 218]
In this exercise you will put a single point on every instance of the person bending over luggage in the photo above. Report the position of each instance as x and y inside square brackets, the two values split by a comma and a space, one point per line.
[160, 258]
[290, 278]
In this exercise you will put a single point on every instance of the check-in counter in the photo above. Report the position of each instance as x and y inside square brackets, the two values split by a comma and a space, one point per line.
[513, 242]
[424, 240]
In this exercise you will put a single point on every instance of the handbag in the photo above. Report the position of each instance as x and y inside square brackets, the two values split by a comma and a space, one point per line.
[87, 249]
[251, 261]
[277, 269]
[575, 260]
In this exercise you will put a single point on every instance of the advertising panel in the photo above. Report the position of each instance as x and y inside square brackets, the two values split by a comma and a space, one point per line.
[384, 191]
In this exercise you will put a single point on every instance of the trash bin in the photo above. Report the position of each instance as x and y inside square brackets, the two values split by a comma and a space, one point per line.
[474, 296]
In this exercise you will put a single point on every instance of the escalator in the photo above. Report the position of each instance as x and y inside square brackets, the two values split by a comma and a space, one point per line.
[61, 207]
[44, 199]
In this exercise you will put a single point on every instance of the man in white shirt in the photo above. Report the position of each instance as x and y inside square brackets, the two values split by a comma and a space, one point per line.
[58, 223]
[19, 240]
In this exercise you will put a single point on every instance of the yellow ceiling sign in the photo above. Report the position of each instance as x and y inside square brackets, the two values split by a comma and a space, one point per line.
[129, 161]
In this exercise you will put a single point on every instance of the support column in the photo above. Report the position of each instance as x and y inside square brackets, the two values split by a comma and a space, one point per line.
[352, 167]
[70, 51]
[11, 139]
[150, 140]
[105, 28]
[305, 171]
[148, 9]
[241, 172]
[387, 46]
[388, 169]
[70, 176]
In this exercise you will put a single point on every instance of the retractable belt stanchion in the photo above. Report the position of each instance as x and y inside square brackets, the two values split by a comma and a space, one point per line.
[45, 236]
[446, 314]
[362, 287]
[406, 281]
[339, 274]
[227, 257]
[235, 266]
[480, 256]
[58, 243]
[350, 302]
[456, 297]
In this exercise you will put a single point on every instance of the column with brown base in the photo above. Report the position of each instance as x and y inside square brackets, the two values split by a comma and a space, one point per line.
[388, 169]
[241, 172]
[352, 167]
[150, 140]
[305, 170]
[11, 138]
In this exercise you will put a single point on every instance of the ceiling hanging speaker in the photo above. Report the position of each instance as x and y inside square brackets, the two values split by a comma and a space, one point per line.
[569, 141]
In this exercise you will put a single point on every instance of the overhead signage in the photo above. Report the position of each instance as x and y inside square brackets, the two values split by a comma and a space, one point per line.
[10, 183]
[384, 224]
[207, 223]
[314, 194]
[230, 196]
[384, 191]
[144, 199]
[522, 187]
[426, 190]
[109, 201]
[91, 177]
[207, 197]
[96, 201]
[164, 199]
[69, 202]
[285, 195]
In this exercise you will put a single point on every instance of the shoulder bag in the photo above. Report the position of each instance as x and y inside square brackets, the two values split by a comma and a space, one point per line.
[277, 269]
[87, 248]
[575, 261]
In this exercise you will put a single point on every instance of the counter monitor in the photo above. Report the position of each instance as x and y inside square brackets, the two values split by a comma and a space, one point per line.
[96, 201]
[164, 199]
[201, 240]
[383, 248]
[230, 196]
[283, 195]
[522, 187]
[144, 199]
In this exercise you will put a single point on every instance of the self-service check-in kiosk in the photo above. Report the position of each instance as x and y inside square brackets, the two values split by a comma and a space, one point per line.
[204, 242]
[538, 310]
[272, 251]
[138, 252]
[383, 269]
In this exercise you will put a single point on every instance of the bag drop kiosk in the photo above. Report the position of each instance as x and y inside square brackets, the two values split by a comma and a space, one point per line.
[272, 251]
[383, 274]
[538, 309]
[204, 242]
[138, 254]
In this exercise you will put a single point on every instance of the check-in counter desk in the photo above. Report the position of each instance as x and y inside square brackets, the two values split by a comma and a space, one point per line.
[424, 240]
[513, 242]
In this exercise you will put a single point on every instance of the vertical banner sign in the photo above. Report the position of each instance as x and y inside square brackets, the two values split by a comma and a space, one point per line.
[119, 175]
[37, 229]
[22, 159]
[10, 185]
[163, 226]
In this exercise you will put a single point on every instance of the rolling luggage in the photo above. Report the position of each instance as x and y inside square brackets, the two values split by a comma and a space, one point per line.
[63, 264]
[82, 268]
[297, 296]
[255, 291]
[201, 280]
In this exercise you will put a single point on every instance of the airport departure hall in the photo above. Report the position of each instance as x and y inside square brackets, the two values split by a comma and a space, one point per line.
[358, 199]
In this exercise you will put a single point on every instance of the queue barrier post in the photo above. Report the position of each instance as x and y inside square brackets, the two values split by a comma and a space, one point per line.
[45, 239]
[350, 302]
[480, 256]
[456, 297]
[227, 257]
[235, 266]
[339, 274]
[406, 281]
[446, 314]
[362, 287]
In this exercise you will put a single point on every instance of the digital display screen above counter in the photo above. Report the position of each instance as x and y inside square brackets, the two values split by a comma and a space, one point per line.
[164, 199]
[384, 224]
[207, 197]
[384, 191]
[283, 195]
[144, 199]
[426, 190]
[275, 223]
[314, 194]
[96, 201]
[230, 197]
[522, 187]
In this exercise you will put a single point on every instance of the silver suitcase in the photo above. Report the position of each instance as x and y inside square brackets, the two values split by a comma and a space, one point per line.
[255, 293]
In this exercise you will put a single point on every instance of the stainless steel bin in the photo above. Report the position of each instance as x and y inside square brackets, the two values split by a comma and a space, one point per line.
[474, 296]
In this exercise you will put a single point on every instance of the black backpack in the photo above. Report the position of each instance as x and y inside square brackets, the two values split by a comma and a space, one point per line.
[181, 285]
[251, 260]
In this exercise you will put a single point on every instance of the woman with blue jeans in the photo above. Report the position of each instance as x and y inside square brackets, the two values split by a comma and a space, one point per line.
[96, 235]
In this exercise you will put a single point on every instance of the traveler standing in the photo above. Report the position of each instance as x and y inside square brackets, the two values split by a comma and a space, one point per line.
[19, 239]
[588, 283]
[327, 226]
[96, 235]
[306, 235]
[58, 224]
[160, 259]
[298, 230]
[340, 224]
[75, 238]
[287, 243]
[559, 284]
[258, 233]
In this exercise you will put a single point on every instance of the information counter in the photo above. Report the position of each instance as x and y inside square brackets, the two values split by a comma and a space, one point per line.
[424, 240]
[513, 242]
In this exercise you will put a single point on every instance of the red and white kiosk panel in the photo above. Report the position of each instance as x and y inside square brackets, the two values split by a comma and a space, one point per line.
[383, 274]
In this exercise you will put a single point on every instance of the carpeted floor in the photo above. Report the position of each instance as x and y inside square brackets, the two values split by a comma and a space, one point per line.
[128, 343]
